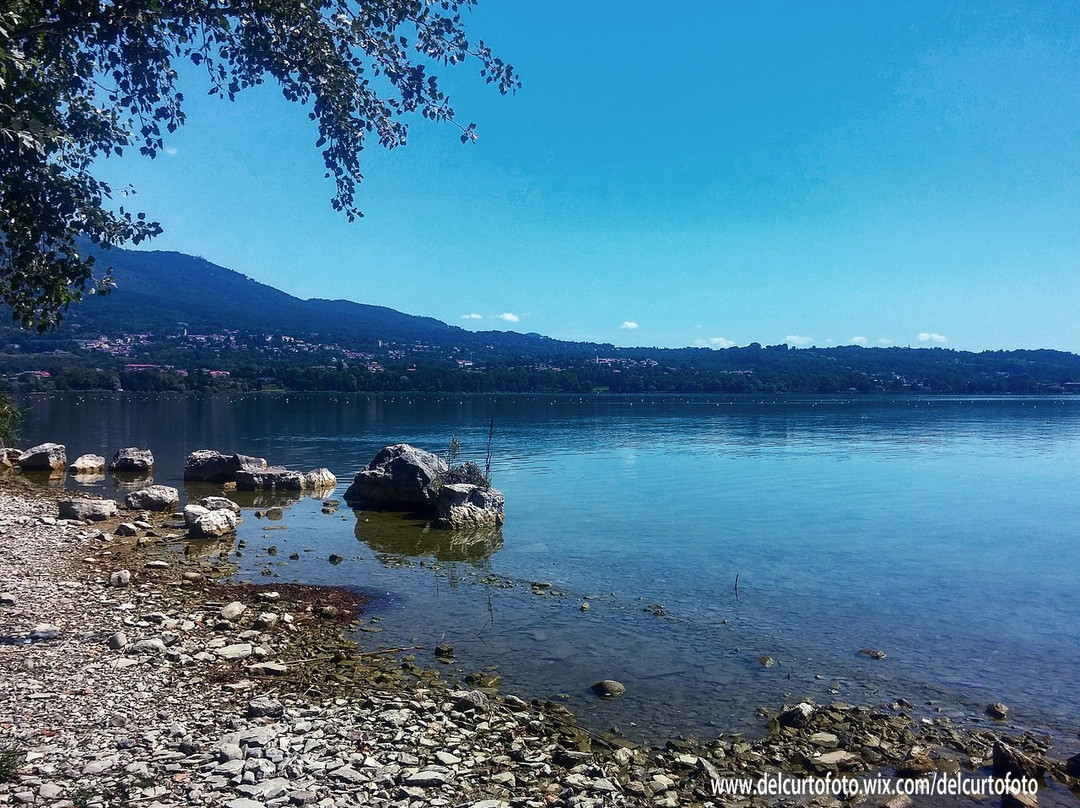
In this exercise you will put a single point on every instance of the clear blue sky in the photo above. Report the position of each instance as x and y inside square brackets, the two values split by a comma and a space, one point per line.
[690, 173]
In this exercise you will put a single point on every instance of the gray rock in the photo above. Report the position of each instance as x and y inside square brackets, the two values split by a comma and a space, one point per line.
[461, 505]
[44, 457]
[1007, 759]
[117, 641]
[427, 779]
[272, 478]
[231, 611]
[50, 791]
[265, 621]
[87, 509]
[208, 466]
[193, 512]
[88, 464]
[44, 631]
[1072, 766]
[319, 479]
[149, 647]
[873, 653]
[609, 689]
[218, 504]
[159, 498]
[7, 599]
[126, 529]
[997, 710]
[399, 477]
[264, 706]
[240, 650]
[212, 524]
[132, 461]
[798, 716]
[120, 578]
[244, 802]
[348, 774]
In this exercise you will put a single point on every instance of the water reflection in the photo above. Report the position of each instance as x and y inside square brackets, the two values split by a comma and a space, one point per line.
[397, 534]
[126, 482]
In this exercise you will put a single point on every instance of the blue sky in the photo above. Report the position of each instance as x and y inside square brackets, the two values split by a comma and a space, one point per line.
[705, 173]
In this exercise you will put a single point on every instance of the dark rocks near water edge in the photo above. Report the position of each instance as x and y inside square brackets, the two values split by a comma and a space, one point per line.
[132, 461]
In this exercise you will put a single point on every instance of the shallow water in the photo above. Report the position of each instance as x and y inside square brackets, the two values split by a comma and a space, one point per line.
[942, 531]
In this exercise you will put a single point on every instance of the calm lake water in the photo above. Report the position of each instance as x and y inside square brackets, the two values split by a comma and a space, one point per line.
[944, 532]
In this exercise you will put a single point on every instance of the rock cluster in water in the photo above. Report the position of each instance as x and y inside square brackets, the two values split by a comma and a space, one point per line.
[403, 477]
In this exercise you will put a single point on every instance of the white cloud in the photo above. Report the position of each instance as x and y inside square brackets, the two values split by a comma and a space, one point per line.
[928, 337]
[884, 342]
[795, 339]
[714, 342]
[472, 317]
[630, 325]
[170, 150]
[508, 317]
[859, 341]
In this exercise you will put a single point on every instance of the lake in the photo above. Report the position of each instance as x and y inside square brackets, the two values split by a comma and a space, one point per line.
[943, 532]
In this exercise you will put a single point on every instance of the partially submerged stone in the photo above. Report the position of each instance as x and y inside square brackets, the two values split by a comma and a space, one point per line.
[158, 498]
[88, 464]
[132, 460]
[44, 457]
[210, 466]
[399, 477]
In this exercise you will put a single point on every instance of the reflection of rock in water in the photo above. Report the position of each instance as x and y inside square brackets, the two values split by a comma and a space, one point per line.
[88, 479]
[45, 479]
[245, 499]
[125, 481]
[406, 535]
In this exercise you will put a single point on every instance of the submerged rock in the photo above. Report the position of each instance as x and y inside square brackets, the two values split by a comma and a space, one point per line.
[88, 464]
[609, 689]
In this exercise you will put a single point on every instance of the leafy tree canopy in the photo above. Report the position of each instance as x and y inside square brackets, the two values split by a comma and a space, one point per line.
[84, 79]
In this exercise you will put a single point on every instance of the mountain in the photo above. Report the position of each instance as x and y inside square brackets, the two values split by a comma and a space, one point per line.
[176, 322]
[156, 290]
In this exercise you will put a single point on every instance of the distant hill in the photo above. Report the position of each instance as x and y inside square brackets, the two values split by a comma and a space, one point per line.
[176, 322]
[155, 290]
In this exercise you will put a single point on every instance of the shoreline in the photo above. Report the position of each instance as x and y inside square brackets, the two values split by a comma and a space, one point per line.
[203, 706]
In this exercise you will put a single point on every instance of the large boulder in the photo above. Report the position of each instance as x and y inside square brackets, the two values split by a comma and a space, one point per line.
[463, 505]
[87, 509]
[132, 461]
[153, 498]
[45, 457]
[274, 478]
[399, 477]
[88, 464]
[209, 466]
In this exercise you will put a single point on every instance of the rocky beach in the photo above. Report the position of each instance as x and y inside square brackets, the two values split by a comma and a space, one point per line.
[136, 673]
